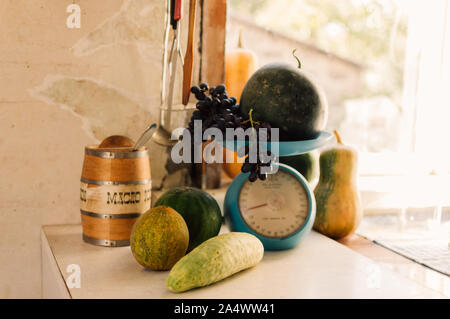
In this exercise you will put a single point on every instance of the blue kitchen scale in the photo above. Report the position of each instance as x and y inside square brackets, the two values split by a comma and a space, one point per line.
[280, 211]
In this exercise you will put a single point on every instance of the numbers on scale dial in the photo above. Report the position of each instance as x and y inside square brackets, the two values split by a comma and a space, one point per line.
[276, 207]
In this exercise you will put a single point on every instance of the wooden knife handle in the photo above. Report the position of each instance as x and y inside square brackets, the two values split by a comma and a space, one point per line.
[189, 56]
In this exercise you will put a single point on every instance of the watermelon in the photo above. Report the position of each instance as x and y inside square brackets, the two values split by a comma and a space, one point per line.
[306, 164]
[287, 98]
[199, 209]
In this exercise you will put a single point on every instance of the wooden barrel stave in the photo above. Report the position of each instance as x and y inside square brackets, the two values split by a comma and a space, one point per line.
[115, 189]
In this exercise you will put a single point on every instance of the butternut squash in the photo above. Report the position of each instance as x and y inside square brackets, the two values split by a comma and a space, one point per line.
[240, 63]
[232, 169]
[339, 210]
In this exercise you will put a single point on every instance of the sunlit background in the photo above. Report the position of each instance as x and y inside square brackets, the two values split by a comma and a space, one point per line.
[385, 67]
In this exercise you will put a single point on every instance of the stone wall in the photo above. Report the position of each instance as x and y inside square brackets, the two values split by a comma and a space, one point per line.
[62, 88]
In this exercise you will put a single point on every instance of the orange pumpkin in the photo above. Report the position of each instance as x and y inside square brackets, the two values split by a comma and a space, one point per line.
[240, 63]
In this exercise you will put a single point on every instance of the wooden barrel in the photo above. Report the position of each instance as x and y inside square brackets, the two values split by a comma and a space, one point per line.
[115, 190]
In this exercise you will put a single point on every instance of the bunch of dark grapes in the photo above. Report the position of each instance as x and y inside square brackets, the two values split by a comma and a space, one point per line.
[263, 158]
[217, 110]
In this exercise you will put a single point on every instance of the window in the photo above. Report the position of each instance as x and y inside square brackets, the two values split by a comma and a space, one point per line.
[385, 67]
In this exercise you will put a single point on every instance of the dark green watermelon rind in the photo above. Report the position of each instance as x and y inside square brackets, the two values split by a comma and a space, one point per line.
[282, 95]
[190, 202]
[306, 164]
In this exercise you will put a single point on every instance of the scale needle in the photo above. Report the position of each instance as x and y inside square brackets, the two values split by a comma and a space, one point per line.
[258, 206]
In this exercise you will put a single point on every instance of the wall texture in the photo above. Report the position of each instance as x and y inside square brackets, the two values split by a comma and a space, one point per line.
[61, 89]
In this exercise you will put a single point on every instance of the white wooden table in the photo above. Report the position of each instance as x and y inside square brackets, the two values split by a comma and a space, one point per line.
[318, 268]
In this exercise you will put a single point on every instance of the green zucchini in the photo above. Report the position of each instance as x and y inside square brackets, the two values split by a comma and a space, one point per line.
[215, 259]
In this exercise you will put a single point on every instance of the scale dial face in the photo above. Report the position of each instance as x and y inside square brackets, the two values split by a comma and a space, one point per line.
[277, 207]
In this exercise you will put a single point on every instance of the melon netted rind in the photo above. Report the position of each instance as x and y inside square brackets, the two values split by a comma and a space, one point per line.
[159, 238]
[214, 260]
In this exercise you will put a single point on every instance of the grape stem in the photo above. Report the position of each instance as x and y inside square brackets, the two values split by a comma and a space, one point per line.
[246, 121]
[253, 132]
[250, 117]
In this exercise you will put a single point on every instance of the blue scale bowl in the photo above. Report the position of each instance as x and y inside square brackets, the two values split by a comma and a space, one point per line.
[289, 148]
